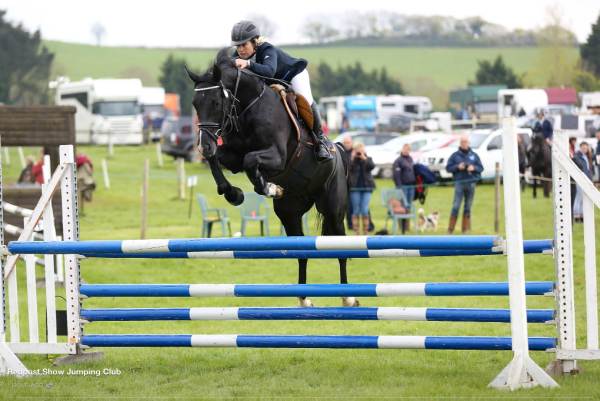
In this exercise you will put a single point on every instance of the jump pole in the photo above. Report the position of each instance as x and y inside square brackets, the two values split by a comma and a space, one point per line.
[522, 371]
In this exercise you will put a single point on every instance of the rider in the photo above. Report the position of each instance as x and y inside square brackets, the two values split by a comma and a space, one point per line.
[264, 59]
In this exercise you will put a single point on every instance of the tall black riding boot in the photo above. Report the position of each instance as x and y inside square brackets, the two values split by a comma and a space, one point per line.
[321, 150]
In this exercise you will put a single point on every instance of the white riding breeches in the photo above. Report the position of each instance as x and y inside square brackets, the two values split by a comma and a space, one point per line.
[301, 84]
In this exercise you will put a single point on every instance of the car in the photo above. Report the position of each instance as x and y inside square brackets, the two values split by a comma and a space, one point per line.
[177, 137]
[487, 143]
[368, 138]
[384, 155]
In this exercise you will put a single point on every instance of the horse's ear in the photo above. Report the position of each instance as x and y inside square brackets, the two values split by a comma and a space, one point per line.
[216, 73]
[193, 76]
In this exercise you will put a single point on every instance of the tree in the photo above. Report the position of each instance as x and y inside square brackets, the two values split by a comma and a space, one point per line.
[319, 32]
[590, 50]
[25, 65]
[266, 26]
[175, 80]
[98, 31]
[496, 72]
[353, 79]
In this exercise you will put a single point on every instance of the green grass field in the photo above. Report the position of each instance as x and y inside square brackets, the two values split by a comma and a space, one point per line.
[259, 374]
[428, 71]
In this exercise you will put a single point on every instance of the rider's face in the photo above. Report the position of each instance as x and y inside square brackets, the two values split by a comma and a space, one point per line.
[245, 50]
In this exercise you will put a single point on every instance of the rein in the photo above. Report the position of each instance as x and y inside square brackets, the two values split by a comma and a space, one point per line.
[229, 119]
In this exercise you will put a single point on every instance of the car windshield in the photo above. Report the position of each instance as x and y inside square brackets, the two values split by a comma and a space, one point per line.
[116, 108]
[438, 142]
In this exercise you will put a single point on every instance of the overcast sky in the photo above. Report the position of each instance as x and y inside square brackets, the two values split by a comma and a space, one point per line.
[172, 23]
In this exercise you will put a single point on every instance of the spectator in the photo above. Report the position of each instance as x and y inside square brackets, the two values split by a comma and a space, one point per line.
[466, 168]
[404, 175]
[572, 143]
[85, 176]
[543, 126]
[26, 176]
[347, 142]
[522, 161]
[361, 187]
[583, 160]
[33, 172]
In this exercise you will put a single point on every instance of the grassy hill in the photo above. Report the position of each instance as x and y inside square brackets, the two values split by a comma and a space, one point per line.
[424, 71]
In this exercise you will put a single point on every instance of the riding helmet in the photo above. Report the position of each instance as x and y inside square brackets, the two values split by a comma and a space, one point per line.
[243, 31]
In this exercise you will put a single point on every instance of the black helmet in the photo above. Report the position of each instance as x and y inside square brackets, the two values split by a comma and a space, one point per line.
[243, 31]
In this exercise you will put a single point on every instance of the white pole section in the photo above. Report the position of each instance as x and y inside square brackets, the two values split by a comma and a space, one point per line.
[522, 371]
[591, 286]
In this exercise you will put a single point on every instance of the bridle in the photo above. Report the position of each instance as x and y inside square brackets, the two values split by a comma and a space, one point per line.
[229, 111]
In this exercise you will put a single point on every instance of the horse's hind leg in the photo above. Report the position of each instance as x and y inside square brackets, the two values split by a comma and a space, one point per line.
[332, 205]
[546, 186]
[291, 219]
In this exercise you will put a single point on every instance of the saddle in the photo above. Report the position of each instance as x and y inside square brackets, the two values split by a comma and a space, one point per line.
[296, 106]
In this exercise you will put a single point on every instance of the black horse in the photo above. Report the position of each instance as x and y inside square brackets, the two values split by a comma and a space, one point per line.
[244, 126]
[540, 161]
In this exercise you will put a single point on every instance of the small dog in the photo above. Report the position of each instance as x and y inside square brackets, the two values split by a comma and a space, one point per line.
[427, 223]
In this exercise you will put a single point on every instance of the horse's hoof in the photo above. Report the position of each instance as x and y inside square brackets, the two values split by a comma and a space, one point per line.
[350, 301]
[305, 303]
[273, 191]
[234, 196]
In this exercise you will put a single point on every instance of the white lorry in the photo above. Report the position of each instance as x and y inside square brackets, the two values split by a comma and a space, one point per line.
[415, 107]
[108, 110]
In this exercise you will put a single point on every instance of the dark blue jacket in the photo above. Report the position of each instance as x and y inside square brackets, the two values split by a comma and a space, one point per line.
[273, 62]
[544, 127]
[583, 163]
[404, 172]
[597, 150]
[470, 158]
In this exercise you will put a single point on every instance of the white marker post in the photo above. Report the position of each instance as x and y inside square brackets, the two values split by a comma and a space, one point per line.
[192, 181]
[105, 174]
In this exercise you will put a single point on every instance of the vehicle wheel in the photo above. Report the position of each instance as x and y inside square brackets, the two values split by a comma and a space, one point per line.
[386, 173]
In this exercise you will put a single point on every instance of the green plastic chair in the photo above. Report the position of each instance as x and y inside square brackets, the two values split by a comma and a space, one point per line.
[397, 218]
[255, 208]
[305, 228]
[212, 215]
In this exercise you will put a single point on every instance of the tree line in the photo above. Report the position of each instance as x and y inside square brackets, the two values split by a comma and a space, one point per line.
[386, 28]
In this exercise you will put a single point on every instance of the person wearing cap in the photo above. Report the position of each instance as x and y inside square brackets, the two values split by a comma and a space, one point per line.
[262, 58]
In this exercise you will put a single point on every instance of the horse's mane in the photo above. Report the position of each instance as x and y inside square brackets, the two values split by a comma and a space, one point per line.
[223, 58]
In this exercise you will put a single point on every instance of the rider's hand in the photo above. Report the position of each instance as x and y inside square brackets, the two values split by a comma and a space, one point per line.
[461, 166]
[471, 168]
[241, 63]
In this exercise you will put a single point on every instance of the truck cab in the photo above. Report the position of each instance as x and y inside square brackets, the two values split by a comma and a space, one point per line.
[108, 110]
[361, 112]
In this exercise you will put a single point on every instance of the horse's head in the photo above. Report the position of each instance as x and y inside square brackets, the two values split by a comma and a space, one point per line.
[214, 104]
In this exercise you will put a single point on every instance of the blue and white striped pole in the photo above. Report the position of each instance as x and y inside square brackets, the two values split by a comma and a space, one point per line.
[282, 341]
[533, 246]
[323, 313]
[257, 244]
[310, 290]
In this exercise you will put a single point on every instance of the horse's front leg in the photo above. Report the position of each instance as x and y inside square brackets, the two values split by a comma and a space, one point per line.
[268, 159]
[234, 195]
